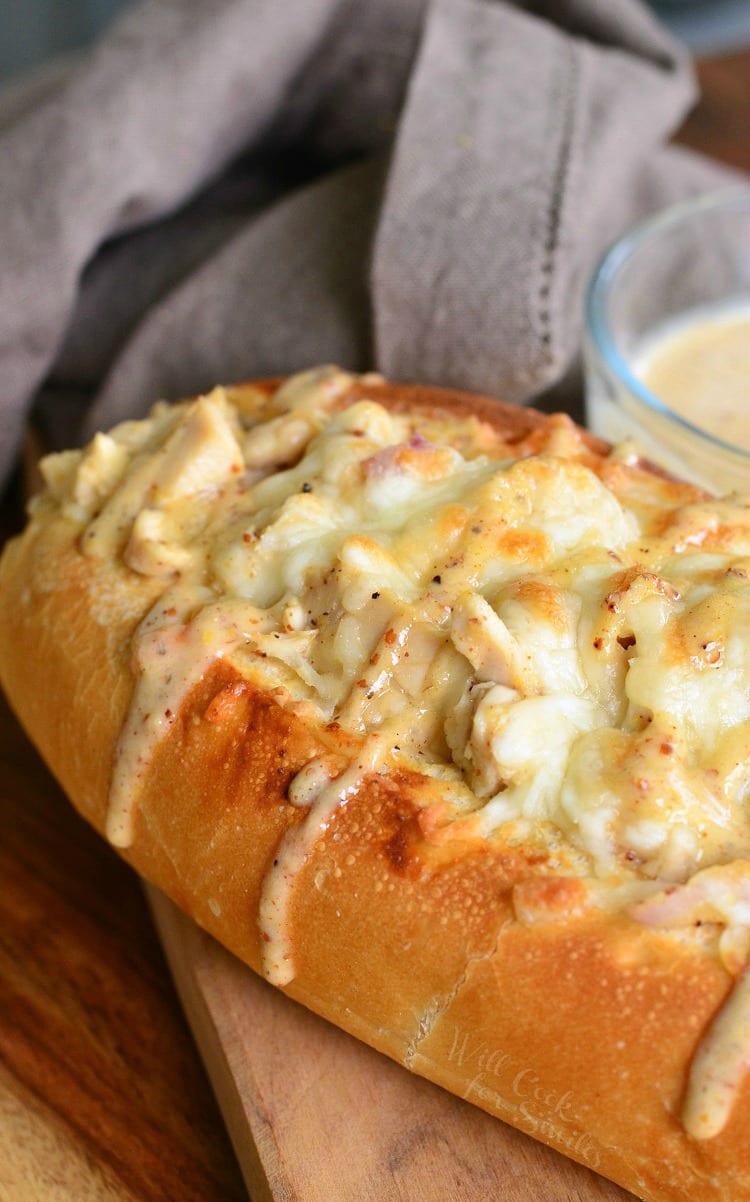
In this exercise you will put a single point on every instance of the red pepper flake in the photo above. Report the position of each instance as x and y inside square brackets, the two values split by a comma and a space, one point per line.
[362, 684]
[390, 637]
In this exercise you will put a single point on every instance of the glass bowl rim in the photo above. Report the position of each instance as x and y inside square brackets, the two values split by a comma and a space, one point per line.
[616, 256]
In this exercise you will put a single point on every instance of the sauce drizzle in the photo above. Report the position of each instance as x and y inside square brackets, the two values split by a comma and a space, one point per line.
[720, 1065]
[293, 852]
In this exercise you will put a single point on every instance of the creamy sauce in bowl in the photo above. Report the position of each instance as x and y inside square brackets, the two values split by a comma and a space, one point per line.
[699, 366]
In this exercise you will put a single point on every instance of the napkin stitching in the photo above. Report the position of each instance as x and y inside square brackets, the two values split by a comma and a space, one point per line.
[459, 174]
[565, 102]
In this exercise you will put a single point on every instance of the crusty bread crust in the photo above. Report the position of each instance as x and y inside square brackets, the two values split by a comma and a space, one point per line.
[579, 1032]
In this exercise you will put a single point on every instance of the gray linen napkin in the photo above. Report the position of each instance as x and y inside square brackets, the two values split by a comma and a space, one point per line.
[228, 188]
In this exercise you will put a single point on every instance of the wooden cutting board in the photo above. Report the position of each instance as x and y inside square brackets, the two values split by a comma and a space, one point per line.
[316, 1116]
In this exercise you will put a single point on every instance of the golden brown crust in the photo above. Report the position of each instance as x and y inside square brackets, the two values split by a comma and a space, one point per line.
[578, 1032]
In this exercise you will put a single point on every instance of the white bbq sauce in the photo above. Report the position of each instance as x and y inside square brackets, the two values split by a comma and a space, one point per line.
[720, 1065]
[699, 366]
[324, 798]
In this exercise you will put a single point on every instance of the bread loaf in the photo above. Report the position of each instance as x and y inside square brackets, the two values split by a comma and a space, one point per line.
[436, 712]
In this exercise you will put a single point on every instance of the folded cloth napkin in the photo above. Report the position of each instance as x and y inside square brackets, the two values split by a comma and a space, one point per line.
[221, 189]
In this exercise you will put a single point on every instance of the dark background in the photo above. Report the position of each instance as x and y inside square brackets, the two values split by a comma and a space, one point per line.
[32, 31]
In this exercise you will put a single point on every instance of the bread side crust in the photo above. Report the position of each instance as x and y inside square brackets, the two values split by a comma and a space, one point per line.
[580, 1033]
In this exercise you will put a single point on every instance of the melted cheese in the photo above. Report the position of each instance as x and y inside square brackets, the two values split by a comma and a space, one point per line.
[562, 639]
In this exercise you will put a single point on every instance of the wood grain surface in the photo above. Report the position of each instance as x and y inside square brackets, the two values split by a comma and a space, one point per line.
[103, 1097]
[719, 125]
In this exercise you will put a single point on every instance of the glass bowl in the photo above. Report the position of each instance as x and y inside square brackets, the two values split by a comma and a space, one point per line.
[669, 278]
